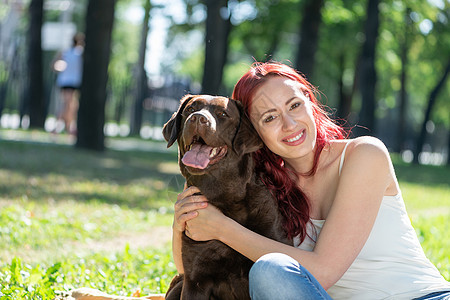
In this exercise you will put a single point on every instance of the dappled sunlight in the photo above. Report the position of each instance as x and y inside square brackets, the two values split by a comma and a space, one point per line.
[49, 231]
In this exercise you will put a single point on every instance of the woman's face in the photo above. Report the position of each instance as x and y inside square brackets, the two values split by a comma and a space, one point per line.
[282, 115]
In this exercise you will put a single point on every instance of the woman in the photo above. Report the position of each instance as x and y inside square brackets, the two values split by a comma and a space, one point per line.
[70, 69]
[340, 199]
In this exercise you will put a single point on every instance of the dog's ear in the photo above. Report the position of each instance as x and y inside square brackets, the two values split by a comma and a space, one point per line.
[171, 129]
[247, 139]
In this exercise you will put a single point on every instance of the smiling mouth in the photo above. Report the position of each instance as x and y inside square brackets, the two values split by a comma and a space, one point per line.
[199, 155]
[295, 138]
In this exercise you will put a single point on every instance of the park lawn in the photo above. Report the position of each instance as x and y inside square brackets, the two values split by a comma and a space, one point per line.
[60, 207]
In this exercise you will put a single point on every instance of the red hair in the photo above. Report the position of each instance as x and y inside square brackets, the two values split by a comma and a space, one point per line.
[282, 181]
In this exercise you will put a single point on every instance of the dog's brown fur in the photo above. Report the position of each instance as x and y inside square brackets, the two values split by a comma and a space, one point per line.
[212, 269]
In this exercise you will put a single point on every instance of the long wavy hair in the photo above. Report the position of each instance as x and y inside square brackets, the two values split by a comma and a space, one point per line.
[282, 181]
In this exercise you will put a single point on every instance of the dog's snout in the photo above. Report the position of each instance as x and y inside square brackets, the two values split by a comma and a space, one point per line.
[199, 118]
[202, 119]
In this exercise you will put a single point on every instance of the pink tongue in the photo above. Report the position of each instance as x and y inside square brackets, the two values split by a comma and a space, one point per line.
[197, 157]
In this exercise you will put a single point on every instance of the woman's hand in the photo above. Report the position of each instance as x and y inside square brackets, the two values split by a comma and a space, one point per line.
[206, 225]
[186, 207]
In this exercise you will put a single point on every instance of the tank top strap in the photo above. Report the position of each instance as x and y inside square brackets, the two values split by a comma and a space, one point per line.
[341, 163]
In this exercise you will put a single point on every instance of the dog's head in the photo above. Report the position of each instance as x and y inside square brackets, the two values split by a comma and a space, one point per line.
[210, 130]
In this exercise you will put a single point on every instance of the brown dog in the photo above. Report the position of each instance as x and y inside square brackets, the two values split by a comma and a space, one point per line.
[215, 142]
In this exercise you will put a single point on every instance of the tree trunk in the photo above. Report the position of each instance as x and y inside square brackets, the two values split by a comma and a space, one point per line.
[35, 99]
[431, 100]
[91, 114]
[403, 81]
[345, 99]
[121, 102]
[368, 75]
[141, 82]
[218, 28]
[309, 36]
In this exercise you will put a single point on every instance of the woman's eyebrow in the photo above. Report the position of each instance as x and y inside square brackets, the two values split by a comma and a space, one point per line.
[290, 100]
[267, 111]
[273, 109]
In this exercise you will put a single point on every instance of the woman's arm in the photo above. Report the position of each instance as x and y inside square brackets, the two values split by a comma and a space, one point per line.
[185, 210]
[366, 176]
[364, 179]
[176, 250]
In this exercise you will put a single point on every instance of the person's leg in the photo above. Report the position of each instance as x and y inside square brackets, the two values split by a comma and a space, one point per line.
[278, 276]
[67, 95]
[72, 113]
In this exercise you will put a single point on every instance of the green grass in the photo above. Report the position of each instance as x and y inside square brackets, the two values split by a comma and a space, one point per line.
[71, 218]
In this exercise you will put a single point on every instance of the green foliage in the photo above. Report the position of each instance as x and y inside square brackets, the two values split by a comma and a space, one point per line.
[122, 273]
[426, 56]
[22, 281]
[124, 57]
[339, 47]
[192, 66]
[269, 30]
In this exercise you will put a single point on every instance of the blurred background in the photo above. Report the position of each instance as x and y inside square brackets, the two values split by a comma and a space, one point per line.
[381, 65]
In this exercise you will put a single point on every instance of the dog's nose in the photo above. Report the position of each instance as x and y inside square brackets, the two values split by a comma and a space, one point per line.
[199, 118]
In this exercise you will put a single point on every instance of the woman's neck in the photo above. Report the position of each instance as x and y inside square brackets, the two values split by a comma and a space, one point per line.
[302, 165]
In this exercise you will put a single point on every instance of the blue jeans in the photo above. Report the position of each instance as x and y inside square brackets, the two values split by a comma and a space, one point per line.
[435, 296]
[278, 276]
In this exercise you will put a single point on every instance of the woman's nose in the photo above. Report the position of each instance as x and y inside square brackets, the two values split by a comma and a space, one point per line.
[288, 122]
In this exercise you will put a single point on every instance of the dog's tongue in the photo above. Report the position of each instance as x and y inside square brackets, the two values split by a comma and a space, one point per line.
[197, 157]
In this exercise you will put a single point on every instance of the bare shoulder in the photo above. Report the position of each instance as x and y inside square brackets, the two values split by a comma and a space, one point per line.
[368, 145]
[366, 151]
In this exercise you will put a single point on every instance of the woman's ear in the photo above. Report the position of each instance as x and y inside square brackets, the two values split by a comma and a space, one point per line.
[247, 139]
[172, 128]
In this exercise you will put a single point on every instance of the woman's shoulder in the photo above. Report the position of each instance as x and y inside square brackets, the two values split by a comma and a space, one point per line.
[366, 143]
[366, 149]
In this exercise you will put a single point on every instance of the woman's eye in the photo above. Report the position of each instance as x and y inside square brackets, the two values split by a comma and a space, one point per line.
[295, 105]
[269, 119]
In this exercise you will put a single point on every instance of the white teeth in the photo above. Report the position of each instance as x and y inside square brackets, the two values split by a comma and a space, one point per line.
[213, 152]
[295, 138]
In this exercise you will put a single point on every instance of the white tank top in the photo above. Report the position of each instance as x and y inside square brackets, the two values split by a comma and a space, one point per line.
[391, 265]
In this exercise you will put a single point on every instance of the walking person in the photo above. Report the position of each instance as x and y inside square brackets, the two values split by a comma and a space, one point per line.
[70, 68]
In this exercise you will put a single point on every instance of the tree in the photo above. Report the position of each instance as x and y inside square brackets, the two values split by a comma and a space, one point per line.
[35, 93]
[338, 54]
[367, 71]
[218, 26]
[404, 46]
[141, 78]
[91, 114]
[431, 101]
[346, 96]
[309, 36]
[261, 35]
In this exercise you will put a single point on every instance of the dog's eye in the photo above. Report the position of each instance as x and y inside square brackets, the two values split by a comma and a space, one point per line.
[190, 109]
[222, 114]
